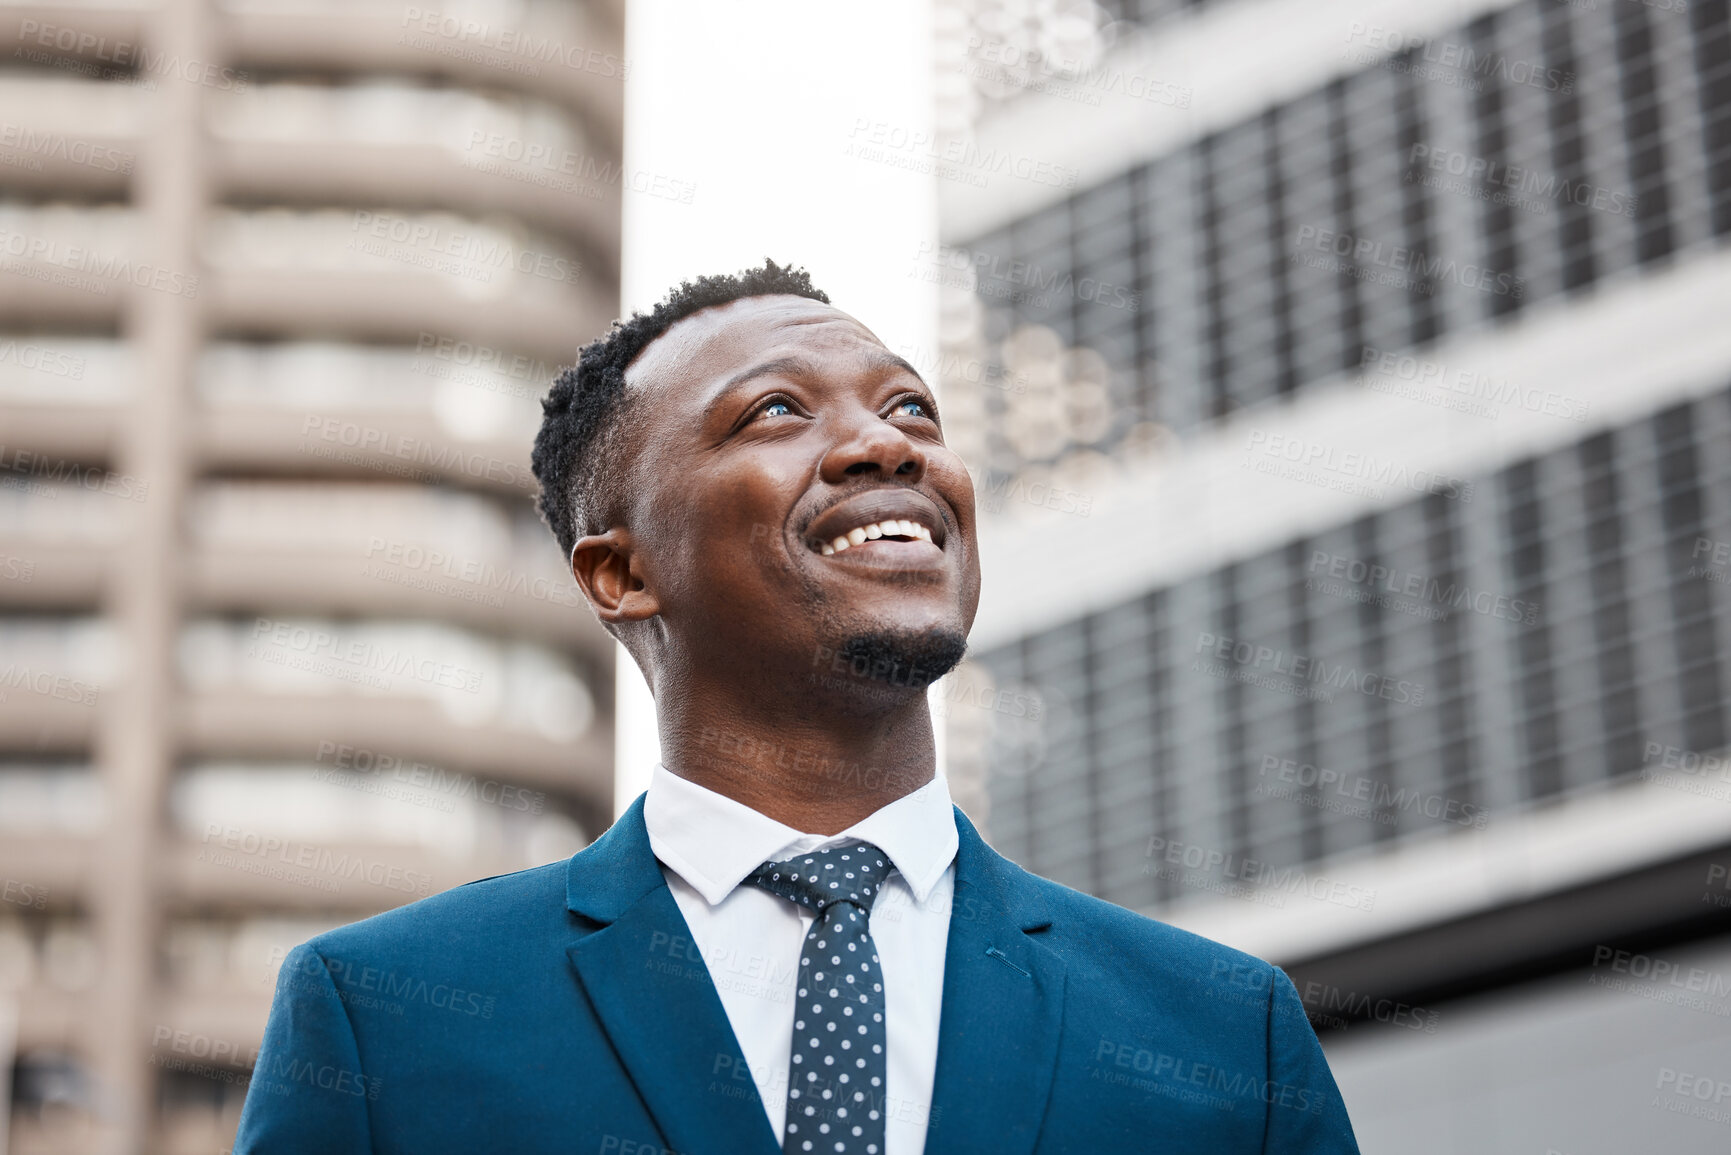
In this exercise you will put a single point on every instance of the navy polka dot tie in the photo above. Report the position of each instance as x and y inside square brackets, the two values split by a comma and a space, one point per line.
[835, 1084]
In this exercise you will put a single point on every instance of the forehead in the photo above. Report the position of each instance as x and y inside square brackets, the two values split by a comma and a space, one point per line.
[713, 344]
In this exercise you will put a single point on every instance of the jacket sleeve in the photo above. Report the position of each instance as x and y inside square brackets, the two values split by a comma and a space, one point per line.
[308, 1092]
[1306, 1115]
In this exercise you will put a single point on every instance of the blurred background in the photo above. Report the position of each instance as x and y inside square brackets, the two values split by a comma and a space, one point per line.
[1347, 391]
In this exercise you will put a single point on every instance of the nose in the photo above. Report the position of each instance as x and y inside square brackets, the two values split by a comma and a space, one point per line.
[867, 444]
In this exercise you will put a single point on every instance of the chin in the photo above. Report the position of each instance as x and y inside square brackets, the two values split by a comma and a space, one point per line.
[899, 658]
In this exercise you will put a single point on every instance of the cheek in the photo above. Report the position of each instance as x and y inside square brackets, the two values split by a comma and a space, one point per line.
[728, 532]
[748, 504]
[950, 476]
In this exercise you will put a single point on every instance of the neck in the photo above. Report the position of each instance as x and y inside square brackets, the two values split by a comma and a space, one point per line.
[818, 773]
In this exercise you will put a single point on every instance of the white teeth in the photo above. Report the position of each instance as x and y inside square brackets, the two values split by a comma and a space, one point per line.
[890, 527]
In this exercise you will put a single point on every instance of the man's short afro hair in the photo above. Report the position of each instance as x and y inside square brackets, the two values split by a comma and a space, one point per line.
[580, 416]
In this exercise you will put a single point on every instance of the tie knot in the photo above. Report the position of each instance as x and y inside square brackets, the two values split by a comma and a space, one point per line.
[852, 872]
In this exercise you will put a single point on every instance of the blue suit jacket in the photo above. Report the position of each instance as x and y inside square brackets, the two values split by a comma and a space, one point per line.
[564, 1008]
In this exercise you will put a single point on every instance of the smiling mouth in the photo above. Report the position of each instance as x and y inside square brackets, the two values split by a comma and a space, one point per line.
[890, 529]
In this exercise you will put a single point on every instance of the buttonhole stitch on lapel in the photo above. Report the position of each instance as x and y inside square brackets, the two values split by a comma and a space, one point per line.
[1005, 959]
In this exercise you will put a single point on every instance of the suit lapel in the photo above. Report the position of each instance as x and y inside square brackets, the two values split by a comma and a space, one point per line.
[1002, 1011]
[652, 993]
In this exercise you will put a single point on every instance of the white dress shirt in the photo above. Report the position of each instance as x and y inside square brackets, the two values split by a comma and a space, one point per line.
[750, 939]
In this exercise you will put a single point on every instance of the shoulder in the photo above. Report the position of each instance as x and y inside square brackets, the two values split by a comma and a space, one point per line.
[1101, 941]
[1114, 940]
[505, 910]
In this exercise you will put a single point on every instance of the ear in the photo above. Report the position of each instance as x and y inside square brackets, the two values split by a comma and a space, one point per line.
[609, 570]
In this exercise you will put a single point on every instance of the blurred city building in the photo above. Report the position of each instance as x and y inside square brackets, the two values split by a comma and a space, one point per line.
[1350, 386]
[282, 643]
[1347, 390]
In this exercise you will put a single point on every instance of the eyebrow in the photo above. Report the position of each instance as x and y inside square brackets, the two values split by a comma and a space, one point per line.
[884, 359]
[800, 367]
[781, 366]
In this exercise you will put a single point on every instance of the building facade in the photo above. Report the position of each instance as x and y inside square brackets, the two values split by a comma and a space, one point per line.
[1359, 384]
[285, 644]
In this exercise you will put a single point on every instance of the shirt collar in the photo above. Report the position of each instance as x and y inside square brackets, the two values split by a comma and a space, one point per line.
[714, 842]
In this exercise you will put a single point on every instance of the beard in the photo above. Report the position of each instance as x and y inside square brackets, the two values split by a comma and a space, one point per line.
[901, 658]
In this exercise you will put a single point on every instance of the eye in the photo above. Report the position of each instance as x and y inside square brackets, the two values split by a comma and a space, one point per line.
[912, 407]
[775, 409]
